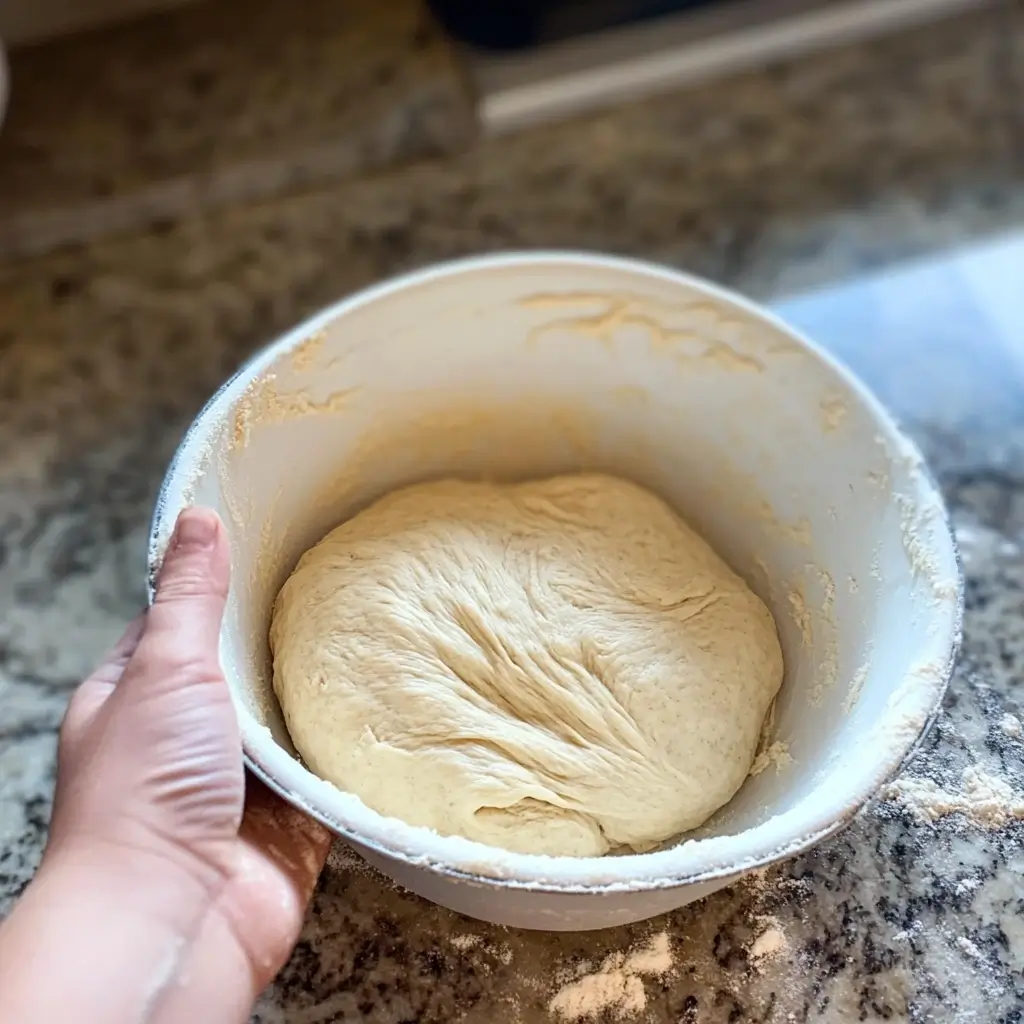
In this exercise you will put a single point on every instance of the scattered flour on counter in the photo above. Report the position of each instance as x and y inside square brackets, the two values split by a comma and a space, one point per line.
[985, 800]
[343, 858]
[1011, 725]
[967, 885]
[765, 886]
[907, 934]
[770, 943]
[469, 942]
[617, 988]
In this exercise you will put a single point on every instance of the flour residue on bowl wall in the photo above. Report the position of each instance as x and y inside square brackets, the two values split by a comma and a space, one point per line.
[797, 531]
[816, 625]
[306, 353]
[807, 599]
[771, 752]
[918, 518]
[448, 430]
[857, 684]
[900, 724]
[828, 670]
[913, 522]
[834, 411]
[707, 335]
[264, 403]
[801, 614]
[776, 755]
[630, 394]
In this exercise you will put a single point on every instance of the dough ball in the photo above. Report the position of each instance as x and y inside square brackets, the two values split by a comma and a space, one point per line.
[559, 667]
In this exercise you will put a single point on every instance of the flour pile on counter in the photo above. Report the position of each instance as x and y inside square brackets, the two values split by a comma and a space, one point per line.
[984, 800]
[770, 942]
[559, 667]
[617, 988]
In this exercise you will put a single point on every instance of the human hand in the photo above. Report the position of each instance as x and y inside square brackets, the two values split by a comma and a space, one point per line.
[156, 827]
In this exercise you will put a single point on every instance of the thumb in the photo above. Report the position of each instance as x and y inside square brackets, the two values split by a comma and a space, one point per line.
[181, 638]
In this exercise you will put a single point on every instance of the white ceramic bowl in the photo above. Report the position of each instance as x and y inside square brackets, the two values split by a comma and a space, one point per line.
[529, 365]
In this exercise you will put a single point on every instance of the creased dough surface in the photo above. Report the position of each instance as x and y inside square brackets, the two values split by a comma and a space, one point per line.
[559, 667]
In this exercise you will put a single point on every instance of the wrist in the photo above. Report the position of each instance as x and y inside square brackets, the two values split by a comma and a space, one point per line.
[98, 936]
[149, 884]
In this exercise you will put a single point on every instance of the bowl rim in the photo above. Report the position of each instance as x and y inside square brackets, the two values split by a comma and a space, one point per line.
[689, 862]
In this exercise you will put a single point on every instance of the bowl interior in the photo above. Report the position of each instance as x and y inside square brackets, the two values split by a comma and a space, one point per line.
[518, 367]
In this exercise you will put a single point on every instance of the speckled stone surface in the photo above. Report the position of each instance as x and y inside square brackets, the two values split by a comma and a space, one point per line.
[216, 103]
[783, 182]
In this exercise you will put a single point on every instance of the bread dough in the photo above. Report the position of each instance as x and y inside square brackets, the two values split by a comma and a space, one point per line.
[559, 667]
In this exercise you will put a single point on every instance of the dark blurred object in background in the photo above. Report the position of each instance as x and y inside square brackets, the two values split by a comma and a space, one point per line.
[518, 24]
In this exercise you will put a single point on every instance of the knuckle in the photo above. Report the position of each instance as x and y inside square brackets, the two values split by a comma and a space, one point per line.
[189, 578]
[167, 658]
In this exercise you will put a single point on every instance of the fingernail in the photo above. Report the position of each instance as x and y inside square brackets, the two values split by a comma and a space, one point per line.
[196, 530]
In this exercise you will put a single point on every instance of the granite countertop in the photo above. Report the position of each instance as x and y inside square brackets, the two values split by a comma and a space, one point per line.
[836, 187]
